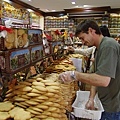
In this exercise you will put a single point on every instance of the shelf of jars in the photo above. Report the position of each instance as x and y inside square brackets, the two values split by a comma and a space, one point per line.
[56, 22]
[114, 24]
[114, 31]
[70, 24]
[99, 20]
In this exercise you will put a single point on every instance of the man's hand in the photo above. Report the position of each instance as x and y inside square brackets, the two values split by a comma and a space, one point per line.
[67, 77]
[90, 104]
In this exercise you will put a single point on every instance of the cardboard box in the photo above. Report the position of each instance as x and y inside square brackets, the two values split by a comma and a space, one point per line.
[79, 106]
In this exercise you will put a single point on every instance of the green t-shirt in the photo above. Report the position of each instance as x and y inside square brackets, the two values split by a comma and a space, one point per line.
[107, 63]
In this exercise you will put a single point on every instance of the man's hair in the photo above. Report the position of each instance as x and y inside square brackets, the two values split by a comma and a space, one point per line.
[85, 25]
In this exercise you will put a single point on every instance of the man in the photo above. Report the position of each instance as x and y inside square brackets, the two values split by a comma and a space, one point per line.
[90, 51]
[106, 79]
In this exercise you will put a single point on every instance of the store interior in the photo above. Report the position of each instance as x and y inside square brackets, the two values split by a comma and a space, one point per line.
[34, 35]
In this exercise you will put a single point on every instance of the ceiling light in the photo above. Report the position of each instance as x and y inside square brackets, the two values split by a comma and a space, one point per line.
[29, 0]
[73, 3]
[53, 10]
[86, 5]
[77, 6]
[46, 10]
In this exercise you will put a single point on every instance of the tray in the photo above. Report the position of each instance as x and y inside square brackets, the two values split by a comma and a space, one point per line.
[79, 106]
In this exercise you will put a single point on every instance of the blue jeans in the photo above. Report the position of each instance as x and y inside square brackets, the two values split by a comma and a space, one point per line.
[110, 116]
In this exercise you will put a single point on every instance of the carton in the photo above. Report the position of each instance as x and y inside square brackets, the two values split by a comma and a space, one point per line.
[79, 106]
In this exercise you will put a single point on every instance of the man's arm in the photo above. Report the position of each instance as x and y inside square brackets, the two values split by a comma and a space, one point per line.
[89, 78]
[93, 79]
[90, 103]
[92, 92]
[87, 51]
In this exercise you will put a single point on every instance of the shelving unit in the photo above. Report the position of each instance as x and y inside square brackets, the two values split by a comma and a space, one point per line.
[19, 58]
[53, 23]
[99, 20]
[56, 22]
[114, 24]
[114, 31]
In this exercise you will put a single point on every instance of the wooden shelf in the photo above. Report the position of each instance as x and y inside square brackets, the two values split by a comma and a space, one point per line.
[114, 33]
[114, 28]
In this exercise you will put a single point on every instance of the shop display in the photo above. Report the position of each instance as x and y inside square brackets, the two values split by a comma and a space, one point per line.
[114, 25]
[14, 60]
[56, 46]
[22, 38]
[10, 40]
[16, 38]
[57, 22]
[34, 20]
[18, 44]
[16, 15]
[36, 53]
[39, 97]
[19, 58]
[55, 35]
[39, 94]
[35, 36]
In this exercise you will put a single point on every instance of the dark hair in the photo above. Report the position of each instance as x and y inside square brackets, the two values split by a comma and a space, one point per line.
[85, 25]
[105, 31]
[62, 30]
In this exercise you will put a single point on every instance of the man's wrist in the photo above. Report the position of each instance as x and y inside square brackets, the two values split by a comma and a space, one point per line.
[73, 76]
[91, 99]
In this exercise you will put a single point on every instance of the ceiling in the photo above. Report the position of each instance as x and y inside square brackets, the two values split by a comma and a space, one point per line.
[60, 5]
